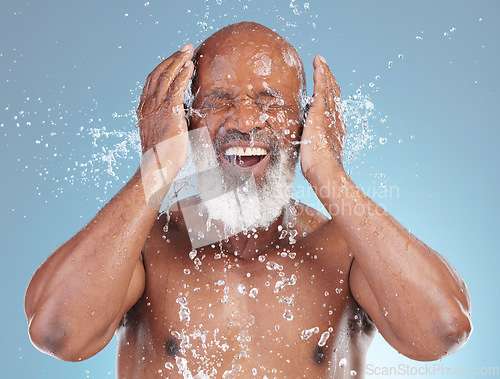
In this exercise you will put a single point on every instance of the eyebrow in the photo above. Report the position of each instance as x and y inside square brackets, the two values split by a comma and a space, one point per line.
[270, 92]
[219, 94]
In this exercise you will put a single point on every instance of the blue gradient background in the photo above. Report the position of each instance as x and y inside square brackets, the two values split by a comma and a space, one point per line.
[67, 67]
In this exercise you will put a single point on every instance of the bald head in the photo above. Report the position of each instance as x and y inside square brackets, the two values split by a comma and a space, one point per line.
[245, 35]
[255, 51]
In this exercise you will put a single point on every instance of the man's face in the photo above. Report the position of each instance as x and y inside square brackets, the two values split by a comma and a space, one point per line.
[248, 96]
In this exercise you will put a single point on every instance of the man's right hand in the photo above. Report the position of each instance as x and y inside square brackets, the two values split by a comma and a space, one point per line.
[161, 115]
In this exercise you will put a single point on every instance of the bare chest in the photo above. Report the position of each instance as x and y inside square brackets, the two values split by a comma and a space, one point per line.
[209, 313]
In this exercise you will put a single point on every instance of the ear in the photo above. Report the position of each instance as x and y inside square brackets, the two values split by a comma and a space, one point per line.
[303, 116]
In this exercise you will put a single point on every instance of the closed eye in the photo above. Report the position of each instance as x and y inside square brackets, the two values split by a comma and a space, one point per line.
[271, 99]
[218, 100]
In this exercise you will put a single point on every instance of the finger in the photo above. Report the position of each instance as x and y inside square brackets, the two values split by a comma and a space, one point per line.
[178, 87]
[320, 87]
[333, 91]
[144, 92]
[150, 85]
[332, 82]
[329, 82]
[182, 55]
[168, 76]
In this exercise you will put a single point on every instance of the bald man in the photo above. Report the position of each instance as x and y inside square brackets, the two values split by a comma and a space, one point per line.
[242, 281]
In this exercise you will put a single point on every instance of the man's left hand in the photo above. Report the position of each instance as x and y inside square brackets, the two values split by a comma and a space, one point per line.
[324, 134]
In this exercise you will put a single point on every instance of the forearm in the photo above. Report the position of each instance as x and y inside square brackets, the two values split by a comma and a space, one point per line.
[411, 287]
[82, 288]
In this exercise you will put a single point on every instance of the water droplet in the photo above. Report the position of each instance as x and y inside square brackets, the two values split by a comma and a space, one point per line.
[324, 337]
[253, 293]
[263, 117]
[182, 301]
[182, 365]
[382, 140]
[241, 289]
[288, 315]
[274, 266]
[192, 254]
[342, 362]
[353, 372]
[280, 284]
[251, 320]
[184, 314]
[307, 333]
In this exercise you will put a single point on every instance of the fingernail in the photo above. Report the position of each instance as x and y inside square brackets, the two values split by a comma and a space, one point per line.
[322, 59]
[187, 63]
[185, 48]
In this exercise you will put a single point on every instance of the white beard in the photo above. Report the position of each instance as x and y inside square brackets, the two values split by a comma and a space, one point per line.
[241, 204]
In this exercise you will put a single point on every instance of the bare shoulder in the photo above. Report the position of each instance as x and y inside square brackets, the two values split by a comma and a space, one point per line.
[308, 219]
[167, 235]
[320, 233]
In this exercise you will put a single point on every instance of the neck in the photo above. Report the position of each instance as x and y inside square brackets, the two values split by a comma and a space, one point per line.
[253, 243]
[245, 245]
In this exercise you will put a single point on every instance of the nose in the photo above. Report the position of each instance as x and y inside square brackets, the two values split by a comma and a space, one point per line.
[243, 117]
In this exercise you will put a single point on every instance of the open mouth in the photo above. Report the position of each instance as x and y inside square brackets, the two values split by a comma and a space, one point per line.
[244, 156]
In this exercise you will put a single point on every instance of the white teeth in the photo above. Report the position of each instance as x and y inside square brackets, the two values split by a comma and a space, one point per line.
[247, 151]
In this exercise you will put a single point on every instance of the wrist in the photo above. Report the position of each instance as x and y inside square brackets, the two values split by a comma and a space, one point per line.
[156, 177]
[319, 174]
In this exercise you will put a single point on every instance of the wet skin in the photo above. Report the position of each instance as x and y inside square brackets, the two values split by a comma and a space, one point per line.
[125, 272]
[263, 331]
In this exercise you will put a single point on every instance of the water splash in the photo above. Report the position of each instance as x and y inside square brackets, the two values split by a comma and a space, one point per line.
[358, 113]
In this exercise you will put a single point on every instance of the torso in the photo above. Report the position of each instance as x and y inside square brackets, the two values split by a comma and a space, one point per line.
[286, 314]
